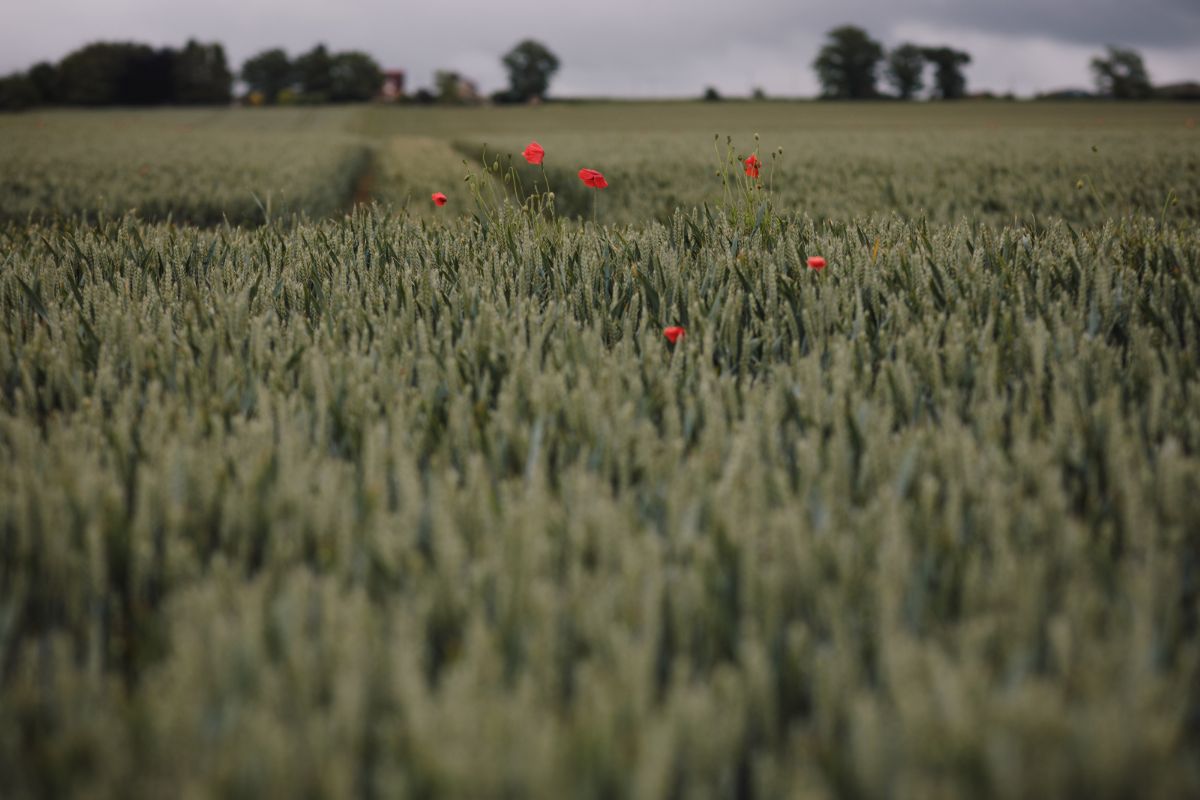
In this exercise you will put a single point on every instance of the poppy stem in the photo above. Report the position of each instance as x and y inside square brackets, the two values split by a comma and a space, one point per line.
[595, 191]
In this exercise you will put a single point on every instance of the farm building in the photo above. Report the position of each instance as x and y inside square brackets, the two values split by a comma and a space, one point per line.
[393, 86]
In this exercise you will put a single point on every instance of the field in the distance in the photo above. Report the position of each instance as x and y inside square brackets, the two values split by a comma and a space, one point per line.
[388, 500]
[995, 161]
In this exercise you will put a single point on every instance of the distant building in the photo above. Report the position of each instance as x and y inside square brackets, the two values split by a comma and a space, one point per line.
[468, 92]
[393, 86]
[453, 89]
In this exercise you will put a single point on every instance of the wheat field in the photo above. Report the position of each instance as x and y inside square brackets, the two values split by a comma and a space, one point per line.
[355, 496]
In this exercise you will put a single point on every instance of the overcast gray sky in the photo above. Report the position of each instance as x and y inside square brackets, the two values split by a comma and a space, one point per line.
[635, 47]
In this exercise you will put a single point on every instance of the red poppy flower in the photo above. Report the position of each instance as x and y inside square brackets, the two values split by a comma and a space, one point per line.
[439, 199]
[752, 165]
[816, 262]
[593, 178]
[674, 333]
[534, 153]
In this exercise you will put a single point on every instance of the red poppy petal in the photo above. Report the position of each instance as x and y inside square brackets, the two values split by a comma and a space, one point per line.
[592, 178]
[534, 153]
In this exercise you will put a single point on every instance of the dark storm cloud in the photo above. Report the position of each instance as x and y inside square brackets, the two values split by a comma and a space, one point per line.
[1147, 23]
[1150, 23]
[634, 47]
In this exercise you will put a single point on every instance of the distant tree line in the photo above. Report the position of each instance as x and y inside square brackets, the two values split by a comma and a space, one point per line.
[848, 65]
[530, 66]
[125, 74]
[132, 74]
[317, 76]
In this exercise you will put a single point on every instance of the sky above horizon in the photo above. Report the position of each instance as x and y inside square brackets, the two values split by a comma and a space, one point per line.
[636, 48]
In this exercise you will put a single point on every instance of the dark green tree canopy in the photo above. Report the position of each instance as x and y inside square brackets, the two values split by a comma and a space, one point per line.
[313, 72]
[201, 74]
[530, 67]
[116, 73]
[948, 79]
[1121, 73]
[905, 70]
[319, 76]
[354, 77]
[18, 92]
[44, 76]
[448, 84]
[22, 90]
[847, 63]
[130, 74]
[269, 72]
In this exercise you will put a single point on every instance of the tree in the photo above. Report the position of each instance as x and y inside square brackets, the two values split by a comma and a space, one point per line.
[148, 77]
[711, 95]
[314, 73]
[201, 74]
[1122, 74]
[269, 72]
[948, 78]
[91, 75]
[355, 77]
[44, 76]
[128, 73]
[905, 70]
[448, 84]
[530, 67]
[116, 73]
[17, 92]
[505, 97]
[846, 64]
